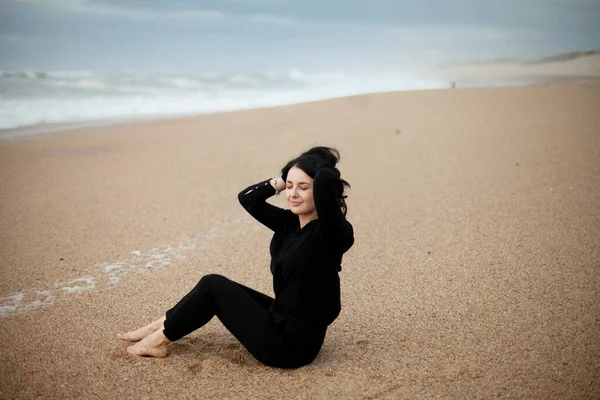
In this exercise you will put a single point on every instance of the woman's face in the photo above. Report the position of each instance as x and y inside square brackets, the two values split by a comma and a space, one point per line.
[299, 193]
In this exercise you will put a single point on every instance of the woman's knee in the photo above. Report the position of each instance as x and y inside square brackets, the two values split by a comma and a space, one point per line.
[211, 280]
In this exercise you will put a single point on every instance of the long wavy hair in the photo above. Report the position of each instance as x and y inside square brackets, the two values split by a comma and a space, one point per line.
[311, 160]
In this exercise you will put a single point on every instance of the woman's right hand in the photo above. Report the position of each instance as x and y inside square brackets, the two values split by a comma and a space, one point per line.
[278, 184]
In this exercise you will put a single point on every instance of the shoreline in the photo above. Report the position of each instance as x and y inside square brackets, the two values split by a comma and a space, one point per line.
[49, 129]
[98, 109]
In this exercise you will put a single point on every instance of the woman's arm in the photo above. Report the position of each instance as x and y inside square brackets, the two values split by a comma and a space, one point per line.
[332, 221]
[254, 197]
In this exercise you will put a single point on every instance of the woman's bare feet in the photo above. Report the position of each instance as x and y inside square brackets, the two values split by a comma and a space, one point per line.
[139, 334]
[154, 345]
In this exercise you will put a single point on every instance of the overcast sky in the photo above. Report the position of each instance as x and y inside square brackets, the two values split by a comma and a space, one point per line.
[260, 35]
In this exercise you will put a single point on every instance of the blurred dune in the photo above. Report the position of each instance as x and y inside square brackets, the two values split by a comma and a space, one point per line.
[560, 67]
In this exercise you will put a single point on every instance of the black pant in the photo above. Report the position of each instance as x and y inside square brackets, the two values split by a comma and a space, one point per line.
[246, 313]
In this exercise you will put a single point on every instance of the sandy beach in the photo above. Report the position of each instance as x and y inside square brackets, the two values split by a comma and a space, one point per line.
[474, 273]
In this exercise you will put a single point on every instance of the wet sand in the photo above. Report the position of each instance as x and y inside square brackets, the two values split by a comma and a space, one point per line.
[474, 273]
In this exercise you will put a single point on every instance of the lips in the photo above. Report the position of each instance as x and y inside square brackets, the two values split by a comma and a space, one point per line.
[294, 204]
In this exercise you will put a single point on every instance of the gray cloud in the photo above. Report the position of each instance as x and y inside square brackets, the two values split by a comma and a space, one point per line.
[259, 34]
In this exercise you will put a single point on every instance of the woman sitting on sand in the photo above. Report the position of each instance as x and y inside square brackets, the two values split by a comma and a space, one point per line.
[306, 255]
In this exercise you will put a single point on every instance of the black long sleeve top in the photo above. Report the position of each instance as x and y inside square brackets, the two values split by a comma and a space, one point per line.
[304, 261]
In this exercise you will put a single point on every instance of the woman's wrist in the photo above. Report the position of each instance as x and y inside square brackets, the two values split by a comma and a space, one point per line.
[278, 184]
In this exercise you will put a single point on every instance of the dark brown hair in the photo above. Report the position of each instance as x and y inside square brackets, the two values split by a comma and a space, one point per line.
[311, 160]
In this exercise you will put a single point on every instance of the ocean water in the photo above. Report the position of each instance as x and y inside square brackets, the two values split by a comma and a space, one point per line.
[34, 99]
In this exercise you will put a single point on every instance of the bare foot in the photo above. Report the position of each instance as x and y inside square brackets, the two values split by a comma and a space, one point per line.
[139, 334]
[154, 345]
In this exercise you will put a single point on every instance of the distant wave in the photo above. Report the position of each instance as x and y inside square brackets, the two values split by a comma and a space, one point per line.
[23, 74]
[73, 78]
[31, 74]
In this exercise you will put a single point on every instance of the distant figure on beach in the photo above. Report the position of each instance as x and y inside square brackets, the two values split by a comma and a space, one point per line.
[308, 243]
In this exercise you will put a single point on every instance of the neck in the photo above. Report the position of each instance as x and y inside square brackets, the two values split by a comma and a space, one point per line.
[305, 219]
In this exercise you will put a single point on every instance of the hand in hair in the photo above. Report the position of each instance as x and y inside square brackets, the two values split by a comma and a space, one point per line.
[336, 172]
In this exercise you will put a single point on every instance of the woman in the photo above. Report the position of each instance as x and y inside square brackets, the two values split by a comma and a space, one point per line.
[306, 254]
